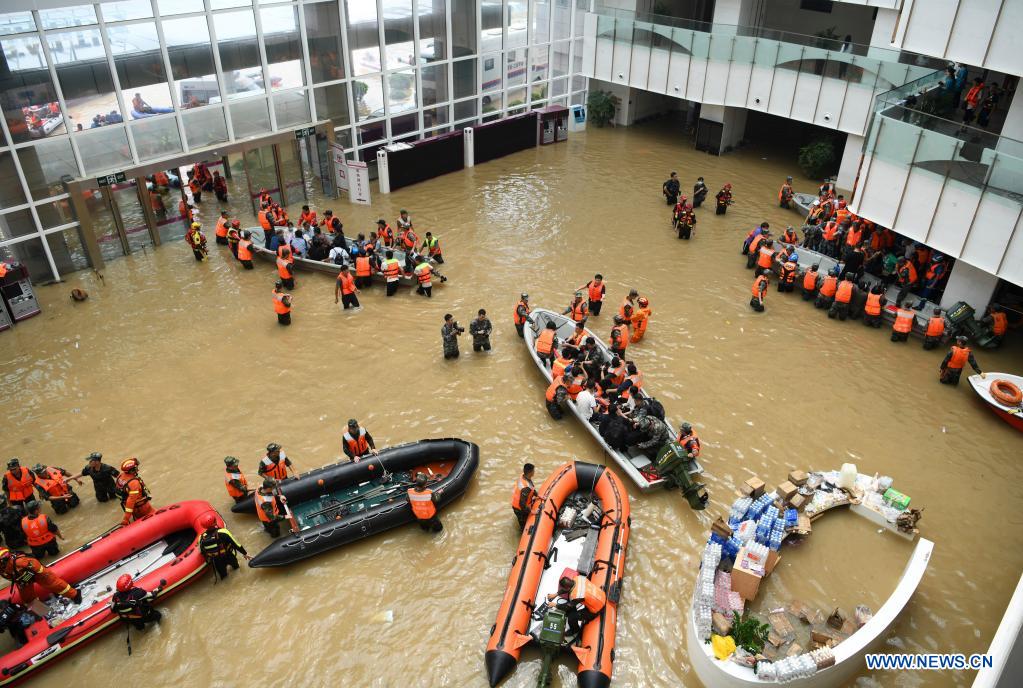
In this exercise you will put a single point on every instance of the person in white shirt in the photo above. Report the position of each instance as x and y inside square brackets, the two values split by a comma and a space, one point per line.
[586, 402]
[338, 256]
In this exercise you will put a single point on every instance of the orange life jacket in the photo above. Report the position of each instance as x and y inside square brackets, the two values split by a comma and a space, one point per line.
[243, 250]
[236, 474]
[960, 357]
[589, 594]
[347, 283]
[523, 485]
[545, 342]
[788, 271]
[391, 269]
[577, 337]
[873, 305]
[617, 374]
[909, 268]
[424, 273]
[19, 488]
[422, 503]
[841, 214]
[785, 192]
[753, 245]
[307, 218]
[623, 337]
[559, 366]
[161, 178]
[578, 310]
[843, 294]
[575, 386]
[625, 302]
[789, 237]
[904, 321]
[515, 314]
[386, 235]
[829, 286]
[357, 445]
[362, 267]
[262, 499]
[755, 289]
[596, 291]
[637, 384]
[280, 308]
[264, 220]
[810, 280]
[935, 326]
[409, 239]
[284, 269]
[37, 530]
[221, 230]
[830, 231]
[766, 258]
[53, 483]
[553, 388]
[852, 237]
[278, 470]
[999, 323]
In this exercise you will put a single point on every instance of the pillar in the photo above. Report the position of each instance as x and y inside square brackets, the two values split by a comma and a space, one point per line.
[970, 284]
[850, 164]
[733, 124]
[469, 146]
[383, 172]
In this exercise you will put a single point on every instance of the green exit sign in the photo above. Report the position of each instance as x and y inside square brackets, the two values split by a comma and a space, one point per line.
[107, 180]
[304, 132]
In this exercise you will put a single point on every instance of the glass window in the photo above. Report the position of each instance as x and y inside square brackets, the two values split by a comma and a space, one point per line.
[540, 58]
[332, 104]
[559, 87]
[401, 91]
[239, 54]
[16, 22]
[11, 193]
[45, 163]
[344, 138]
[559, 58]
[465, 78]
[27, 95]
[30, 253]
[191, 58]
[283, 46]
[126, 10]
[169, 7]
[432, 30]
[516, 67]
[463, 28]
[322, 25]
[492, 102]
[398, 35]
[518, 24]
[56, 213]
[205, 127]
[369, 98]
[578, 83]
[250, 118]
[541, 21]
[435, 117]
[16, 224]
[516, 97]
[291, 108]
[227, 4]
[68, 250]
[104, 150]
[435, 84]
[79, 15]
[139, 64]
[493, 73]
[492, 25]
[562, 19]
[404, 124]
[155, 137]
[84, 77]
[369, 133]
[465, 110]
[363, 37]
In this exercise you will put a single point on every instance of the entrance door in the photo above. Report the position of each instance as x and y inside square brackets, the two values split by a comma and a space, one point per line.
[261, 173]
[292, 173]
[118, 220]
[128, 205]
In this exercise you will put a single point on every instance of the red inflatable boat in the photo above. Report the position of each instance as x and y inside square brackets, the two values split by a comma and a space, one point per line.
[158, 550]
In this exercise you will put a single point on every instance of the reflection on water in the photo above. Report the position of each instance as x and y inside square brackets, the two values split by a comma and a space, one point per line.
[183, 363]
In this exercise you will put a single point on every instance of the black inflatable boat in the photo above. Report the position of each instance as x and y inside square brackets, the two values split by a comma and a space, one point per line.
[346, 501]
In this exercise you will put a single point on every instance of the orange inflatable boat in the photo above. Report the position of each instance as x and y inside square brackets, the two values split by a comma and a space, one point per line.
[566, 579]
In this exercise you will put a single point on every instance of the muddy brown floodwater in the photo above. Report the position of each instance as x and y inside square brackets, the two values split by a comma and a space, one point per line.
[182, 363]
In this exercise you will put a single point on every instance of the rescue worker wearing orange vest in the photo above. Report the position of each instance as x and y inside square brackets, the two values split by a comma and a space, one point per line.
[761, 252]
[408, 239]
[275, 464]
[629, 302]
[391, 269]
[196, 240]
[935, 330]
[135, 498]
[906, 277]
[619, 339]
[245, 250]
[640, 319]
[585, 601]
[724, 199]
[997, 323]
[195, 187]
[223, 224]
[385, 233]
[577, 309]
[269, 508]
[874, 306]
[218, 546]
[810, 278]
[424, 277]
[363, 270]
[689, 440]
[759, 290]
[18, 483]
[555, 397]
[595, 290]
[40, 531]
[220, 187]
[826, 290]
[789, 236]
[843, 295]
[26, 572]
[423, 501]
[954, 362]
[903, 325]
[285, 268]
[431, 245]
[521, 314]
[787, 273]
[234, 235]
[524, 496]
[785, 194]
[346, 290]
[234, 480]
[547, 344]
[307, 217]
[52, 484]
[282, 304]
[357, 442]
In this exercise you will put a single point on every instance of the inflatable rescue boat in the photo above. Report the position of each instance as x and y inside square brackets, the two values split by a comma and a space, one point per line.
[347, 501]
[160, 550]
[579, 527]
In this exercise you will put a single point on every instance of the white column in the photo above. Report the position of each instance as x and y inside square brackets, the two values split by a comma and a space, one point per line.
[733, 123]
[468, 143]
[383, 172]
[850, 162]
[969, 284]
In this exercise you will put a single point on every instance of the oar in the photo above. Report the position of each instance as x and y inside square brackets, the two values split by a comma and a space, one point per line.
[287, 509]
[58, 636]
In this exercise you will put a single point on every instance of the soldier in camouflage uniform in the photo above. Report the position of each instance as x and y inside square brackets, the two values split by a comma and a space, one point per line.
[480, 329]
[656, 431]
[449, 336]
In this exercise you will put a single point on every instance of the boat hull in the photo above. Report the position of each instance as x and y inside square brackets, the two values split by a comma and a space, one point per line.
[1013, 415]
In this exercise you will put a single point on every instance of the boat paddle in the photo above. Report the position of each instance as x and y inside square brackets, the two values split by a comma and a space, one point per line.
[287, 510]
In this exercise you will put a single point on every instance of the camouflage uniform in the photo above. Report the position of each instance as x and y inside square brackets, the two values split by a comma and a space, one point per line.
[656, 430]
[449, 336]
[480, 331]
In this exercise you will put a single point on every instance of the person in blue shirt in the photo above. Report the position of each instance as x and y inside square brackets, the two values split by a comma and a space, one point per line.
[276, 241]
[299, 245]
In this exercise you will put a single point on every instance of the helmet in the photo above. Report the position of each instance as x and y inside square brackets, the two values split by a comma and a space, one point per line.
[230, 461]
[644, 301]
[39, 468]
[788, 179]
[130, 465]
[960, 340]
[578, 294]
[382, 222]
[236, 224]
[124, 583]
[420, 478]
[196, 225]
[13, 463]
[278, 285]
[269, 483]
[352, 423]
[95, 456]
[686, 426]
[31, 504]
[728, 186]
[273, 446]
[524, 296]
[4, 553]
[619, 319]
[403, 210]
[208, 521]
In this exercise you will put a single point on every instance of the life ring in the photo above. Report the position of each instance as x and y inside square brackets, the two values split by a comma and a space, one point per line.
[1006, 393]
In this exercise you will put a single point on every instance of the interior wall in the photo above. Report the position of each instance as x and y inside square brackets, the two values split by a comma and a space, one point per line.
[785, 15]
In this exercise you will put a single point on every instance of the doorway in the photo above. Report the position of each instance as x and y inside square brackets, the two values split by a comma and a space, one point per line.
[119, 222]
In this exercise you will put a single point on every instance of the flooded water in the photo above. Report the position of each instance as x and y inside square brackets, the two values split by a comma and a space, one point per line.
[182, 363]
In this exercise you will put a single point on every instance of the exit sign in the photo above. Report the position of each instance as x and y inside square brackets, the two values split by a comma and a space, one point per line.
[115, 178]
[304, 132]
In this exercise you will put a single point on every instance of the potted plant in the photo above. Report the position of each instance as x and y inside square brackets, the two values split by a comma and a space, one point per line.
[602, 106]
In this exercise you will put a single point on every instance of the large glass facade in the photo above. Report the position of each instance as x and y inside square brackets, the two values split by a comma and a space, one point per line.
[94, 88]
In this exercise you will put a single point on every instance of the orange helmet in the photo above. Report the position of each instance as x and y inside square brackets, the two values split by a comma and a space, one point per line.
[208, 521]
[130, 465]
[124, 583]
[643, 301]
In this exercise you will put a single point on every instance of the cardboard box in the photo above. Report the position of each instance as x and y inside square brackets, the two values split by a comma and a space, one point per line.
[797, 478]
[797, 501]
[772, 560]
[756, 487]
[823, 636]
[786, 489]
[781, 627]
[721, 624]
[721, 528]
[745, 582]
[794, 649]
[804, 527]
[773, 639]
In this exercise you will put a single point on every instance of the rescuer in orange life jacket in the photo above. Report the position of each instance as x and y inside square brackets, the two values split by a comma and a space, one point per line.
[582, 599]
[423, 501]
[132, 490]
[40, 531]
[524, 496]
[18, 483]
[357, 442]
[954, 362]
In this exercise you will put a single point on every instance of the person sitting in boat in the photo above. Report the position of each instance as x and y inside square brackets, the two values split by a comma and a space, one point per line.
[574, 343]
[651, 435]
[357, 442]
[585, 601]
[423, 501]
[219, 546]
[133, 605]
[16, 619]
[26, 572]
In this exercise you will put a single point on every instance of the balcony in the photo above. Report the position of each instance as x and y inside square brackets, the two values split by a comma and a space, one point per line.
[957, 189]
[792, 75]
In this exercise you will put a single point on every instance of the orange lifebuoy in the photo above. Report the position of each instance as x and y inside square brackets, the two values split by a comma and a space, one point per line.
[1006, 393]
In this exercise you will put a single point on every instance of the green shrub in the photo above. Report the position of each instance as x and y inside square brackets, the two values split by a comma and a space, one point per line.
[749, 633]
[602, 106]
[817, 158]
